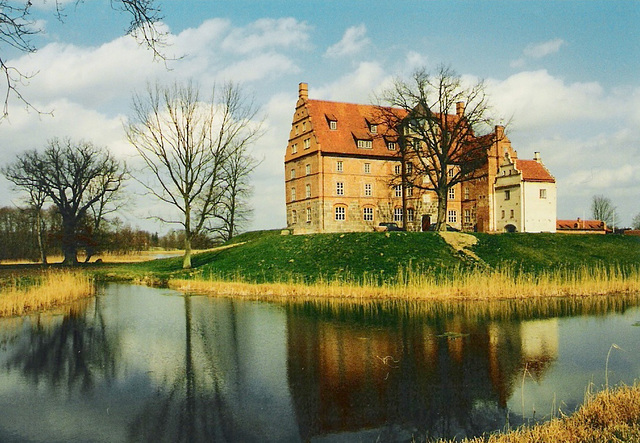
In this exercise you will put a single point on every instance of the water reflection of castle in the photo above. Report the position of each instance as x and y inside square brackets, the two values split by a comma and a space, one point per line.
[444, 378]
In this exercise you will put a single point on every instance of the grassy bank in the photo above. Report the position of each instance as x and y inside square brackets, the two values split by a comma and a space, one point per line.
[609, 416]
[402, 265]
[33, 292]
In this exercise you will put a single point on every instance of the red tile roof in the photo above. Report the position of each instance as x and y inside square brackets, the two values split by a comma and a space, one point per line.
[353, 122]
[534, 171]
[580, 225]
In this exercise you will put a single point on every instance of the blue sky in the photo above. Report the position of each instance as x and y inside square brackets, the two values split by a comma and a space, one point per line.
[565, 72]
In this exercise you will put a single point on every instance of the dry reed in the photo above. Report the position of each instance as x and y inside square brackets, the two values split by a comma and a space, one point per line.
[51, 289]
[479, 284]
[609, 416]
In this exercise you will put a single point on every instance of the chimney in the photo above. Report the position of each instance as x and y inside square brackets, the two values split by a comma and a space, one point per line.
[536, 156]
[459, 109]
[303, 91]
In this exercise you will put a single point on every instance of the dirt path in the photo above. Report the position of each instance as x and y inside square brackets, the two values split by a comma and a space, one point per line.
[462, 244]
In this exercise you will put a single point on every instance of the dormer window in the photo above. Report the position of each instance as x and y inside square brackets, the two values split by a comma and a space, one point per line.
[365, 144]
[373, 128]
[391, 146]
[333, 125]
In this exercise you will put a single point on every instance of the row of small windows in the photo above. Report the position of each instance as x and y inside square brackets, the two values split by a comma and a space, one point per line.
[512, 214]
[507, 194]
[333, 125]
[294, 216]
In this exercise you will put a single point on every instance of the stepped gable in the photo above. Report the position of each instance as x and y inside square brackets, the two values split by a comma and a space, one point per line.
[353, 122]
[534, 171]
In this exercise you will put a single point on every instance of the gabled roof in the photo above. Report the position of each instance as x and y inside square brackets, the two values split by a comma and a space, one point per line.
[533, 171]
[353, 124]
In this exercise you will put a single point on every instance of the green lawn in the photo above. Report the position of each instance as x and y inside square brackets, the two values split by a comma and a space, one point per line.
[265, 256]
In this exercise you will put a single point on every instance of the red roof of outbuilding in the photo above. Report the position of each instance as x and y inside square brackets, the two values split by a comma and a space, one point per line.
[580, 225]
[534, 171]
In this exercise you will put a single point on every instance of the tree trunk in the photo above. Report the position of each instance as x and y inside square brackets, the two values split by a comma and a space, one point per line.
[69, 246]
[441, 223]
[186, 262]
[43, 252]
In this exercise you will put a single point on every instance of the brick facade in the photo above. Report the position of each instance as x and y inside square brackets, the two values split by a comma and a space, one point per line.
[339, 170]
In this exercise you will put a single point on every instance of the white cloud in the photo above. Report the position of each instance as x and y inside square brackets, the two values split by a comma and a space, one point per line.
[358, 86]
[536, 99]
[267, 34]
[538, 50]
[353, 41]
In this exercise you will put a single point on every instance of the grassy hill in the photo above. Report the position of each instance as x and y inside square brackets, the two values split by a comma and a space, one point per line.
[267, 256]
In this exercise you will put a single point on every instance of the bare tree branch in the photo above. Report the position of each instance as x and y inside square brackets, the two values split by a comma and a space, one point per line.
[187, 144]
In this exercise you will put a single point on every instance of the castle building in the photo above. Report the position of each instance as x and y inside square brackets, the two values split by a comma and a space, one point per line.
[339, 170]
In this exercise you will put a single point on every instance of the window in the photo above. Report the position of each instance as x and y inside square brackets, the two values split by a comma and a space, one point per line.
[297, 129]
[293, 173]
[452, 216]
[409, 168]
[398, 190]
[341, 213]
[409, 190]
[373, 128]
[391, 146]
[367, 214]
[397, 215]
[365, 144]
[502, 215]
[293, 193]
[511, 213]
[304, 126]
[308, 215]
[307, 191]
[507, 195]
[466, 193]
[339, 188]
[543, 193]
[307, 169]
[450, 172]
[452, 193]
[339, 166]
[333, 125]
[294, 148]
[368, 189]
[411, 215]
[367, 168]
[307, 143]
[294, 217]
[397, 169]
[467, 217]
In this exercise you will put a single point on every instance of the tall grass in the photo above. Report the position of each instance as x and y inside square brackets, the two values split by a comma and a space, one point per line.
[44, 291]
[612, 415]
[415, 284]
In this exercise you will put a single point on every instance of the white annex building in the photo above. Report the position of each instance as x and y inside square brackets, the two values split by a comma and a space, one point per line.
[525, 196]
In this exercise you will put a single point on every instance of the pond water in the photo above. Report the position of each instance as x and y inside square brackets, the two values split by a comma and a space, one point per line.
[143, 364]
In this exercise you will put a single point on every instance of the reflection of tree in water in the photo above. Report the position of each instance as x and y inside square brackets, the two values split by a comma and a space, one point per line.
[401, 375]
[195, 404]
[72, 353]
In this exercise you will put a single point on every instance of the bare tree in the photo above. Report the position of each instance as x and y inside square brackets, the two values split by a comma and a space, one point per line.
[603, 209]
[187, 145]
[635, 223]
[234, 211]
[443, 149]
[74, 176]
[17, 28]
